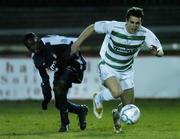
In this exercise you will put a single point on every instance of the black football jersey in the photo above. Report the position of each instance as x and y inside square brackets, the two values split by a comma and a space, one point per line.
[55, 55]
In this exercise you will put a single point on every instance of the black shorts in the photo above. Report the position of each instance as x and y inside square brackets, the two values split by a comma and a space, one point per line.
[68, 76]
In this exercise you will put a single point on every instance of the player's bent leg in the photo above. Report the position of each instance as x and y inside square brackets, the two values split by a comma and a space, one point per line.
[98, 99]
[97, 106]
[64, 127]
[60, 91]
[81, 111]
[127, 97]
[116, 121]
[82, 117]
[114, 86]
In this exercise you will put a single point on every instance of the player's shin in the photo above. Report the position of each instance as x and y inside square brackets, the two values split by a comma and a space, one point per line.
[127, 97]
[64, 121]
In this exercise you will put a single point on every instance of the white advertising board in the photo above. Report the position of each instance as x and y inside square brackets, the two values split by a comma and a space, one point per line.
[154, 78]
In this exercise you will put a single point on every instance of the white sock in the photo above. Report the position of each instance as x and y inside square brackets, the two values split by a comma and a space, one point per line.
[104, 95]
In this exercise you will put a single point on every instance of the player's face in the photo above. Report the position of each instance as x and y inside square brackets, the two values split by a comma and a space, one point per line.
[133, 24]
[33, 45]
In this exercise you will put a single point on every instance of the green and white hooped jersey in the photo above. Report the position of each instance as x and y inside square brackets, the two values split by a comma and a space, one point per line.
[120, 47]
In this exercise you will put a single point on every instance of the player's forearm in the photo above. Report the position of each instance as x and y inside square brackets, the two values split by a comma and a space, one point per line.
[85, 34]
[44, 75]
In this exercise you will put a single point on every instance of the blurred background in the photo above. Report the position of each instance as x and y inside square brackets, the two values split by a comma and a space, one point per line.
[159, 78]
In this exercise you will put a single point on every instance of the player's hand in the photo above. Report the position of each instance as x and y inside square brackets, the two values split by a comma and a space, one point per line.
[160, 52]
[157, 51]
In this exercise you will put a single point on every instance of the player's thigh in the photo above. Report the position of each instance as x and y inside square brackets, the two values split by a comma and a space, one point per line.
[63, 79]
[109, 79]
[112, 83]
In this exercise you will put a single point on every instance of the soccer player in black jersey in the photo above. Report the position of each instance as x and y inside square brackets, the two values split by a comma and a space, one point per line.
[53, 52]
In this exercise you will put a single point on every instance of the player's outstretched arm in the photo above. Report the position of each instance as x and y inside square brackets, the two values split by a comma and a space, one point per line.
[157, 51]
[45, 87]
[85, 34]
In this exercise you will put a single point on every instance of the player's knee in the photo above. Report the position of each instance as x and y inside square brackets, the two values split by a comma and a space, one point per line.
[116, 93]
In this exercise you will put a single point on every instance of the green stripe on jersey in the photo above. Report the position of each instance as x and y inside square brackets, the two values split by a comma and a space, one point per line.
[117, 60]
[122, 36]
[121, 68]
[126, 53]
[124, 45]
[118, 68]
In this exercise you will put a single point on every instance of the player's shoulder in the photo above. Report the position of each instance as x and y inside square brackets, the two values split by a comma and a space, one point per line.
[49, 36]
[144, 30]
[69, 38]
[113, 22]
[58, 40]
[118, 24]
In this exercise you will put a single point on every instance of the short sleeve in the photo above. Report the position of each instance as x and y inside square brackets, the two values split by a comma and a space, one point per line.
[152, 40]
[102, 27]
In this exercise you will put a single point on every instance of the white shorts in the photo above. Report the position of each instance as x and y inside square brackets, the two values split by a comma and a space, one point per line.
[126, 79]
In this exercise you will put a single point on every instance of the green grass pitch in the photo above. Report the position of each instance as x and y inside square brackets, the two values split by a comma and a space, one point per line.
[160, 119]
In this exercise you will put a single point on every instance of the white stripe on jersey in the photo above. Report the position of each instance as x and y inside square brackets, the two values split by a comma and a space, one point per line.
[126, 42]
[118, 56]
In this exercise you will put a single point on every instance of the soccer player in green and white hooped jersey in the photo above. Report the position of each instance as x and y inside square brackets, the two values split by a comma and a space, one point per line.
[121, 45]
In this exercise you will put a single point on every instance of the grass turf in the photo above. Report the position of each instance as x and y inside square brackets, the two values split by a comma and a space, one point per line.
[160, 119]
